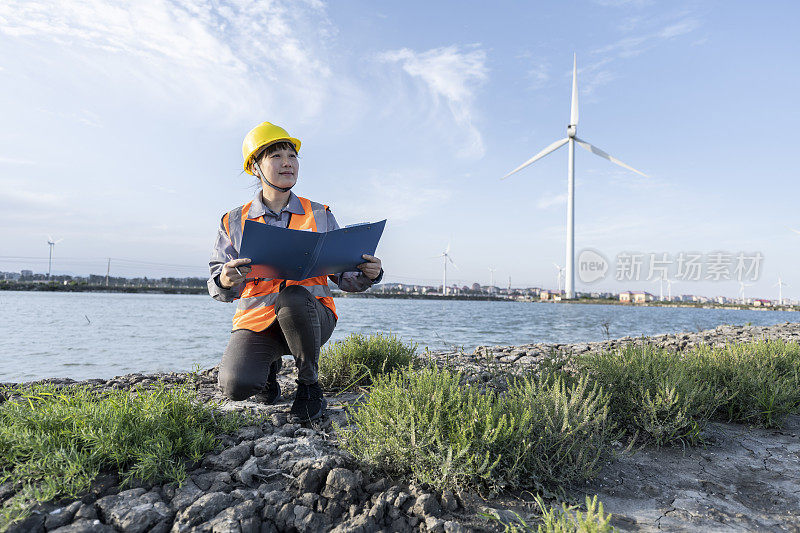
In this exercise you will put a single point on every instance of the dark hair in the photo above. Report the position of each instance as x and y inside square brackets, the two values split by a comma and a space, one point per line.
[272, 148]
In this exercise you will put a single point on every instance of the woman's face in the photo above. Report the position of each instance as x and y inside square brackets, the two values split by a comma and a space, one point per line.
[281, 167]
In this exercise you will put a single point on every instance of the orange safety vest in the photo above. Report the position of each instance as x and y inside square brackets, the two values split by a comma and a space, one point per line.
[255, 309]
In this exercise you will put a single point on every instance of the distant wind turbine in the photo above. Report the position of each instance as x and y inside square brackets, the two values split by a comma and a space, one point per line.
[491, 279]
[572, 139]
[560, 270]
[742, 285]
[780, 286]
[669, 287]
[52, 245]
[445, 258]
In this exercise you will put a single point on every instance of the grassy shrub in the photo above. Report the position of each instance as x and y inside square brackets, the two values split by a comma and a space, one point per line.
[668, 397]
[759, 381]
[563, 520]
[430, 427]
[655, 393]
[359, 359]
[54, 442]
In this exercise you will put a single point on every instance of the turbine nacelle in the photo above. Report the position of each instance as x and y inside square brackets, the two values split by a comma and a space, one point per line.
[572, 130]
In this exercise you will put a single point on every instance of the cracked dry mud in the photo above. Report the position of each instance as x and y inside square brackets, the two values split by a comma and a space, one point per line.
[743, 479]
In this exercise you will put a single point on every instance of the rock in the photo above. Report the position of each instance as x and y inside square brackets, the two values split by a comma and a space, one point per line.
[250, 433]
[454, 527]
[449, 502]
[246, 474]
[229, 458]
[341, 481]
[202, 510]
[32, 524]
[85, 526]
[434, 525]
[87, 511]
[277, 419]
[425, 506]
[221, 482]
[185, 495]
[61, 516]
[241, 518]
[133, 510]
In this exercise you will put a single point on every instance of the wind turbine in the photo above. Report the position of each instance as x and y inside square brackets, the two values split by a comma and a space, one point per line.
[491, 282]
[669, 287]
[780, 286]
[560, 270]
[742, 285]
[52, 245]
[572, 139]
[445, 258]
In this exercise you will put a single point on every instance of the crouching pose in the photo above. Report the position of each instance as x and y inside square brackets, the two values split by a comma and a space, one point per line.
[275, 316]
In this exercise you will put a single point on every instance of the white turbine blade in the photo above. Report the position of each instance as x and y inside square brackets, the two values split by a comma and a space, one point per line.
[795, 230]
[452, 262]
[597, 151]
[58, 241]
[553, 147]
[447, 250]
[573, 112]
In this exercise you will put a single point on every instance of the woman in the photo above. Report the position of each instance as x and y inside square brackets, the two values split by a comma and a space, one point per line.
[273, 316]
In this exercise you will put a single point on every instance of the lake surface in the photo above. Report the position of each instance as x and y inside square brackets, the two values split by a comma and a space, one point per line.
[100, 335]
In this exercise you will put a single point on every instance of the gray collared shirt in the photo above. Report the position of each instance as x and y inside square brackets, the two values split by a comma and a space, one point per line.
[224, 250]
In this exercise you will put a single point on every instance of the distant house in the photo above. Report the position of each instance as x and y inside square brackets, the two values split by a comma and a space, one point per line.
[640, 297]
[625, 297]
[544, 295]
[758, 302]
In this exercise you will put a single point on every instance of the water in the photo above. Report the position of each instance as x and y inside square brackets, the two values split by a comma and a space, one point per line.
[97, 335]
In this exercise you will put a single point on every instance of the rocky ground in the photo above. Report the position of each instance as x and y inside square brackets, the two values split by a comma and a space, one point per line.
[279, 476]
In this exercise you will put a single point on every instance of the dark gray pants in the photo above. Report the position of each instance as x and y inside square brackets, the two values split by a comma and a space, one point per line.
[302, 326]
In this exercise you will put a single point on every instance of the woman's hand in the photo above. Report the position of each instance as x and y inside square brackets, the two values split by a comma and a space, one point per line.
[230, 277]
[372, 268]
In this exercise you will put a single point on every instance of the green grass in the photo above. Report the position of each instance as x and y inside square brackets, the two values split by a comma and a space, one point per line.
[55, 441]
[563, 520]
[357, 360]
[429, 426]
[759, 381]
[668, 397]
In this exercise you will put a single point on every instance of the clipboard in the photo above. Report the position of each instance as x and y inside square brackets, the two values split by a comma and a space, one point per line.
[292, 254]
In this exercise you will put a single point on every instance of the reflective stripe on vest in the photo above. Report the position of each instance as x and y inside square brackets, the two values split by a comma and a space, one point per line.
[256, 306]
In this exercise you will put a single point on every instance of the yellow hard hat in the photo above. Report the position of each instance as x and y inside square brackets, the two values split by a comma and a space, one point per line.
[262, 135]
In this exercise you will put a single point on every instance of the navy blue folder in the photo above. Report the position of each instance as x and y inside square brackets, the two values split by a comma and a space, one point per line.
[295, 255]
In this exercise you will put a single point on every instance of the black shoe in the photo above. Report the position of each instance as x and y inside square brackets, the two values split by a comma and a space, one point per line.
[272, 392]
[309, 403]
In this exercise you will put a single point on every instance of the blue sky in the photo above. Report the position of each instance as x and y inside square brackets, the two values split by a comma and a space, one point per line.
[123, 121]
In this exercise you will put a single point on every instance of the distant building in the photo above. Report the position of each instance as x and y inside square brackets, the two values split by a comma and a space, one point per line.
[640, 297]
[625, 297]
[26, 274]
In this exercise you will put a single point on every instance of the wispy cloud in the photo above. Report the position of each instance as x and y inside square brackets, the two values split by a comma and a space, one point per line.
[451, 75]
[395, 197]
[600, 72]
[551, 200]
[238, 55]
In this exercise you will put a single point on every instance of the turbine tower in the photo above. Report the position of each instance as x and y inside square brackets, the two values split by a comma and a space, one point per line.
[780, 286]
[560, 278]
[491, 279]
[445, 258]
[571, 139]
[52, 245]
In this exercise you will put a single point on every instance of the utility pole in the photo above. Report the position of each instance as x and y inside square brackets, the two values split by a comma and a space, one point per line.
[108, 270]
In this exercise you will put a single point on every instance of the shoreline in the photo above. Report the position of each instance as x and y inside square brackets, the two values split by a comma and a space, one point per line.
[53, 287]
[295, 477]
